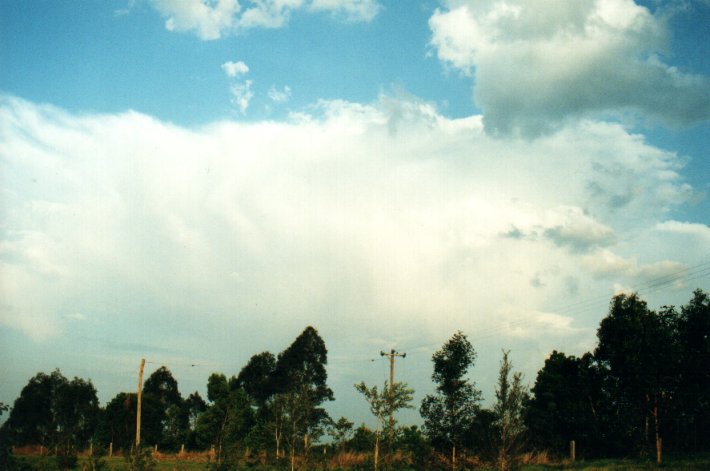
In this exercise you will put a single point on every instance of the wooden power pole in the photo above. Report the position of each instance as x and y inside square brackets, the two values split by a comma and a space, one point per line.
[138, 404]
[392, 354]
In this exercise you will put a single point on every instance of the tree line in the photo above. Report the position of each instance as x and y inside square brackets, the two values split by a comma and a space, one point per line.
[645, 387]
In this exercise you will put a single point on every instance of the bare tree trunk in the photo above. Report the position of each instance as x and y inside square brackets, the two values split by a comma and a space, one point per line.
[453, 457]
[277, 437]
[657, 427]
[377, 449]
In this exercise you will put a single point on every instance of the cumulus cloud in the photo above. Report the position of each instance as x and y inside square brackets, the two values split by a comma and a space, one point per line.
[569, 226]
[207, 20]
[211, 20]
[242, 95]
[280, 96]
[538, 64]
[379, 221]
[351, 10]
[235, 69]
[605, 263]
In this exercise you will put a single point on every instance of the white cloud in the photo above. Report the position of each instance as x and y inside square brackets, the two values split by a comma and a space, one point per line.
[606, 263]
[379, 221]
[208, 20]
[211, 20]
[280, 96]
[351, 10]
[268, 13]
[569, 226]
[538, 64]
[242, 95]
[235, 69]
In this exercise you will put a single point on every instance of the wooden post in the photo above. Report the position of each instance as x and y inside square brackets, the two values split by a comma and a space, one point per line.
[572, 451]
[138, 404]
[182, 449]
[392, 354]
[659, 446]
[110, 449]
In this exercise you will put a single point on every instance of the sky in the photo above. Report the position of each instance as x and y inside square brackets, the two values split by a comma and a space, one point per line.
[194, 182]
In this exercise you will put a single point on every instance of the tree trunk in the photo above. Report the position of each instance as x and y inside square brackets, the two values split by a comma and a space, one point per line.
[377, 449]
[657, 427]
[277, 438]
[453, 457]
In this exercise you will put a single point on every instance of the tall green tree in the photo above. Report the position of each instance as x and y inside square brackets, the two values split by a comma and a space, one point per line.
[227, 420]
[54, 411]
[508, 411]
[384, 403]
[118, 422]
[448, 415]
[693, 393]
[300, 381]
[257, 377]
[164, 417]
[639, 349]
[565, 405]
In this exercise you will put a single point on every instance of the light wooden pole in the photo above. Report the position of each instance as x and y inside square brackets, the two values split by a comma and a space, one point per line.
[392, 354]
[138, 404]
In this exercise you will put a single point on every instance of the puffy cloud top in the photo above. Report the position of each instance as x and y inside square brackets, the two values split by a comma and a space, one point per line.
[539, 63]
[213, 20]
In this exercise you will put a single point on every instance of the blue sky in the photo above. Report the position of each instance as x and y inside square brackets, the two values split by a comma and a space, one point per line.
[196, 182]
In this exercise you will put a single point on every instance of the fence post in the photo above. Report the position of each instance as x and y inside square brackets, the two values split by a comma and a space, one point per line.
[110, 449]
[572, 451]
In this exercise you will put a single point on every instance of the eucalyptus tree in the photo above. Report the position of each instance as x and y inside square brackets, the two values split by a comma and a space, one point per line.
[227, 420]
[165, 418]
[384, 403]
[54, 411]
[299, 381]
[448, 415]
[508, 412]
[639, 349]
[694, 387]
[566, 403]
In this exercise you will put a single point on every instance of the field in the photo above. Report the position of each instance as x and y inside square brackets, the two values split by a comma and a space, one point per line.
[172, 463]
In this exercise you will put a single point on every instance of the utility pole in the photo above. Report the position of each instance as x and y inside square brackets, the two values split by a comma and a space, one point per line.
[138, 404]
[392, 354]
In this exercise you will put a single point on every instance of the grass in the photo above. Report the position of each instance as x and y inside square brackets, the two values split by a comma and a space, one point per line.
[172, 463]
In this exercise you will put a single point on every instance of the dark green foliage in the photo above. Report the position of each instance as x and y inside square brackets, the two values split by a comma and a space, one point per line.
[363, 439]
[566, 397]
[448, 415]
[299, 384]
[692, 414]
[413, 441]
[7, 461]
[257, 376]
[195, 406]
[227, 421]
[140, 459]
[649, 377]
[303, 364]
[639, 349]
[54, 412]
[118, 422]
[509, 427]
[164, 415]
[340, 432]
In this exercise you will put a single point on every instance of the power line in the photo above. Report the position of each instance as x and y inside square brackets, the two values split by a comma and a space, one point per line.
[653, 285]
